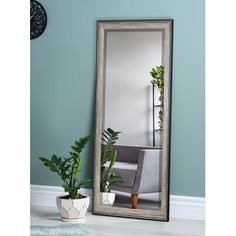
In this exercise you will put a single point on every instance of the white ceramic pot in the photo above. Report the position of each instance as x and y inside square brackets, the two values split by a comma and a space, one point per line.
[72, 209]
[107, 198]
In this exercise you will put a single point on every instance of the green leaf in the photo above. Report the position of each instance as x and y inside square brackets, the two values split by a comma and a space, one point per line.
[74, 148]
[58, 161]
[66, 187]
[107, 132]
[114, 138]
[62, 165]
[77, 143]
[48, 164]
[111, 131]
[64, 177]
[54, 158]
[106, 136]
[109, 169]
[44, 159]
[78, 168]
[114, 156]
[53, 168]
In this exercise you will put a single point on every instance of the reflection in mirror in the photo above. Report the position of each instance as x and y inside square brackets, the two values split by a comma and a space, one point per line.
[133, 126]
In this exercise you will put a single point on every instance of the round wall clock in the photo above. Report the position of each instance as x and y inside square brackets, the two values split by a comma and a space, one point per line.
[38, 19]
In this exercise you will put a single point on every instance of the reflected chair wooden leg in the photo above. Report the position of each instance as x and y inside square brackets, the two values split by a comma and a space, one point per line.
[134, 200]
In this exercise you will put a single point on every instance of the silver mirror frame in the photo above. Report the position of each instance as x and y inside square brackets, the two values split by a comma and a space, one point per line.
[166, 26]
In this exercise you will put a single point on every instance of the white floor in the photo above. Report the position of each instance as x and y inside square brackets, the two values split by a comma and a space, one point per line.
[107, 226]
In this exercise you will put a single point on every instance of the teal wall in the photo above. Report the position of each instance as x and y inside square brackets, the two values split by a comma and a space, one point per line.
[63, 83]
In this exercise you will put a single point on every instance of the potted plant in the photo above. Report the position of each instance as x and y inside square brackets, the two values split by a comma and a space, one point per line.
[74, 205]
[108, 178]
[157, 80]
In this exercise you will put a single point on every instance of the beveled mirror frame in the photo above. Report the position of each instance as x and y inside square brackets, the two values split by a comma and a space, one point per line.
[166, 26]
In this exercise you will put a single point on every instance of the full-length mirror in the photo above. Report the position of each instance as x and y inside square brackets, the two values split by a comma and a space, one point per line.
[133, 98]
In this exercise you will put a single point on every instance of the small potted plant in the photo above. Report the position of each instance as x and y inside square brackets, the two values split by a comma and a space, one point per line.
[157, 80]
[108, 178]
[74, 205]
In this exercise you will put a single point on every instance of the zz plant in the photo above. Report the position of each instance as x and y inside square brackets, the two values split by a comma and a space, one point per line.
[108, 178]
[157, 80]
[69, 168]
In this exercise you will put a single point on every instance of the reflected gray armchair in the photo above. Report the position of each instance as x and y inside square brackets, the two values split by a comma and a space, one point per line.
[140, 168]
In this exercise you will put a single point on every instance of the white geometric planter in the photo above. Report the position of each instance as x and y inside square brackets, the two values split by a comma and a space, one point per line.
[107, 198]
[72, 209]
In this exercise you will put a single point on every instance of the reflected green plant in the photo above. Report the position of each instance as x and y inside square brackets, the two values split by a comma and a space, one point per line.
[157, 80]
[108, 178]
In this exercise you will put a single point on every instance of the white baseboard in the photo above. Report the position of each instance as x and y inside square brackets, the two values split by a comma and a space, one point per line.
[42, 195]
[182, 207]
[185, 207]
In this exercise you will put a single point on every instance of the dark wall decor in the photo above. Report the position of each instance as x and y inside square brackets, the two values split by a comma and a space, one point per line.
[38, 19]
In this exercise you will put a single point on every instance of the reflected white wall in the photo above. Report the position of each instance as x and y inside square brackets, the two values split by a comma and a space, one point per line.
[128, 91]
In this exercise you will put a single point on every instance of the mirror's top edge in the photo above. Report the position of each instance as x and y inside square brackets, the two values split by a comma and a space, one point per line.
[134, 24]
[137, 21]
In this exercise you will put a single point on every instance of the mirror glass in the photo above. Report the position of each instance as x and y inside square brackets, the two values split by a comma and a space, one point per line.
[133, 119]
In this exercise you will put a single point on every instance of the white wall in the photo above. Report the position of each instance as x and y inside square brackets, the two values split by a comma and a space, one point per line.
[128, 97]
